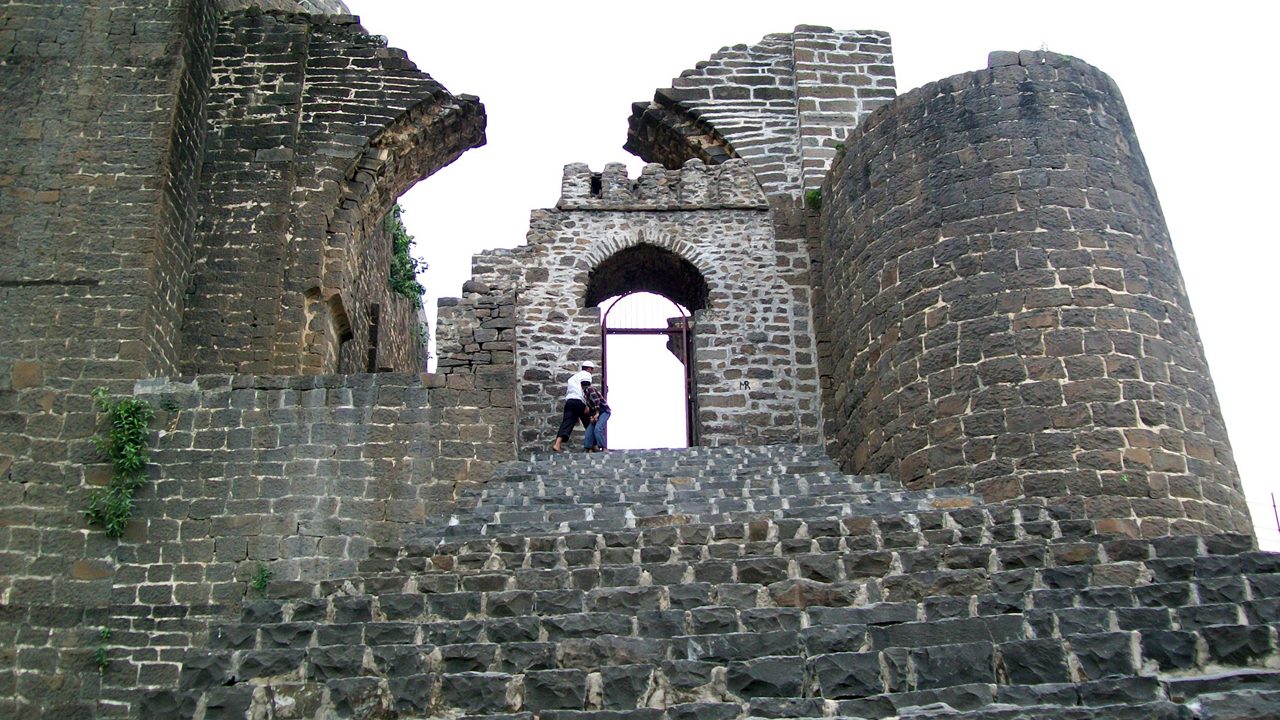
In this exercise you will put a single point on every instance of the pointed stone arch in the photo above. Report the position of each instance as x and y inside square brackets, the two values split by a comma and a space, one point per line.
[647, 259]
[662, 267]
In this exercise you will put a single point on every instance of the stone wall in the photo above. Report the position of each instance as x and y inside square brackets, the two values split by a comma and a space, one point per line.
[135, 154]
[303, 473]
[782, 105]
[1007, 311]
[299, 476]
[94, 133]
[754, 355]
[315, 129]
[107, 110]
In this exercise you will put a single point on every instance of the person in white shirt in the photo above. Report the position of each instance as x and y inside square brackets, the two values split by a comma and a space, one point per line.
[575, 405]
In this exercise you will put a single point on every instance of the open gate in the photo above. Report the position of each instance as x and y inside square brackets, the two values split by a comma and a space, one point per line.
[679, 333]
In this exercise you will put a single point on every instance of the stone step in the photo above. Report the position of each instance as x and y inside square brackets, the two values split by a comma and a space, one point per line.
[540, 492]
[479, 523]
[756, 582]
[622, 488]
[977, 641]
[730, 608]
[972, 675]
[821, 555]
[689, 461]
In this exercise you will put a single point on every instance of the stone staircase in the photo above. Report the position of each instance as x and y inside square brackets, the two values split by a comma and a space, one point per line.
[753, 582]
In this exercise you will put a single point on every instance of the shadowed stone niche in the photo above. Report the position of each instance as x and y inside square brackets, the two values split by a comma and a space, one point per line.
[648, 268]
[1006, 310]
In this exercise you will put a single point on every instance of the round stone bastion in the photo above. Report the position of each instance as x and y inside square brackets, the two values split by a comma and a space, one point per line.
[1005, 309]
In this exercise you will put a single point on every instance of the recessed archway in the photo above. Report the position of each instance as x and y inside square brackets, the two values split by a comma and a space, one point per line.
[647, 371]
[647, 295]
[647, 268]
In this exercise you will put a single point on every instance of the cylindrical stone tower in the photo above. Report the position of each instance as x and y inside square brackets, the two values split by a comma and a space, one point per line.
[1005, 308]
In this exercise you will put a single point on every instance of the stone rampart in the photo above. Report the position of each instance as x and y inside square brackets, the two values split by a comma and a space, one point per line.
[164, 157]
[1006, 310]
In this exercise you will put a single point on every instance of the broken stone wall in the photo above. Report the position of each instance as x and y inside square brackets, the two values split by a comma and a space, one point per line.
[782, 105]
[109, 164]
[315, 128]
[475, 362]
[785, 105]
[1006, 310]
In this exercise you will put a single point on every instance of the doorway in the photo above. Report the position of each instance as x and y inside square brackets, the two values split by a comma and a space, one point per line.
[648, 371]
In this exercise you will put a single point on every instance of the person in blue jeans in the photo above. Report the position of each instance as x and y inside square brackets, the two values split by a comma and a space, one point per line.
[598, 411]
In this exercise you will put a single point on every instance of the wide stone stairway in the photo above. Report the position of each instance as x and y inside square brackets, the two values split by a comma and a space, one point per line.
[720, 583]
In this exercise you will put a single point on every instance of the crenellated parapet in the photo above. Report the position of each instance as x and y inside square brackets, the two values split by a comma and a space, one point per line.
[694, 185]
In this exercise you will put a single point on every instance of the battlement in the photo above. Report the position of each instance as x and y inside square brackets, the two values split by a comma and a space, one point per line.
[693, 186]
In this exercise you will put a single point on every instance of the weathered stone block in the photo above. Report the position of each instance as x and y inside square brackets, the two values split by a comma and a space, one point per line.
[765, 677]
[555, 689]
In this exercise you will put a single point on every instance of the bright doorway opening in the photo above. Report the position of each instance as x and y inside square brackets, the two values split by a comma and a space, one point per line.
[647, 343]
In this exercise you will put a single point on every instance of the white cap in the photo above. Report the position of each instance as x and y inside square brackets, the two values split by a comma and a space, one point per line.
[588, 364]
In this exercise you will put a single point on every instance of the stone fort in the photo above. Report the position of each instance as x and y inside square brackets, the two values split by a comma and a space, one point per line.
[956, 451]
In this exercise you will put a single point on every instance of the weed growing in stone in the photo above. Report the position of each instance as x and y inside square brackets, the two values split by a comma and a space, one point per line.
[100, 653]
[261, 576]
[125, 445]
[404, 267]
[813, 199]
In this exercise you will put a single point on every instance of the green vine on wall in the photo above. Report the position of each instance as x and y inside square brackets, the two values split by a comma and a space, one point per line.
[404, 267]
[125, 445]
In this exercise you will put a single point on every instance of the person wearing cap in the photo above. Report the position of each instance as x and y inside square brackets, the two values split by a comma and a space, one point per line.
[575, 404]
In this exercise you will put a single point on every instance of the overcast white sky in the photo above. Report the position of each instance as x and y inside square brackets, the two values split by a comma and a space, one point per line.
[558, 80]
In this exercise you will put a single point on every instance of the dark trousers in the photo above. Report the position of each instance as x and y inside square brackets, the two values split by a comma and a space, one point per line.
[574, 411]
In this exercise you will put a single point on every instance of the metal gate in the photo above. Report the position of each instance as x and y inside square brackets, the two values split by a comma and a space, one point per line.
[679, 333]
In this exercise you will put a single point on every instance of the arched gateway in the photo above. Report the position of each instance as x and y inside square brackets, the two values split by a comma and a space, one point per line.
[700, 236]
[647, 296]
